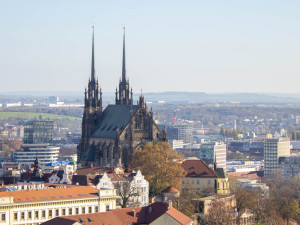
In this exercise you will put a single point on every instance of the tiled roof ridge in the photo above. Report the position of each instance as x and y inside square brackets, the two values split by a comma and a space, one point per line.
[203, 163]
[212, 170]
[178, 214]
[170, 189]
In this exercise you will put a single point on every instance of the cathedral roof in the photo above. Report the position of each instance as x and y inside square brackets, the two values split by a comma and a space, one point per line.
[112, 118]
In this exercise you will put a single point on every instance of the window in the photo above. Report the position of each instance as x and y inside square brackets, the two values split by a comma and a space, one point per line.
[29, 216]
[107, 207]
[3, 217]
[96, 208]
[15, 216]
[43, 213]
[36, 214]
[50, 213]
[57, 212]
[77, 210]
[63, 212]
[22, 215]
[90, 209]
[198, 182]
[208, 181]
[83, 210]
[182, 181]
[70, 211]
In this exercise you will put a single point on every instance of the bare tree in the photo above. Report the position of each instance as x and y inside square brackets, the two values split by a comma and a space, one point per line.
[126, 191]
[219, 213]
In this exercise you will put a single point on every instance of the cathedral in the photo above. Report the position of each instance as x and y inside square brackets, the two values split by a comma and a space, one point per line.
[110, 136]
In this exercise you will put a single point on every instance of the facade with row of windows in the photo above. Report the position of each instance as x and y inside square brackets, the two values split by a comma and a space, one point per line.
[36, 206]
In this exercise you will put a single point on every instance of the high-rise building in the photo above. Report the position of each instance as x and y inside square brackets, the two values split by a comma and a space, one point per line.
[273, 150]
[38, 132]
[213, 152]
[110, 136]
[180, 132]
[45, 153]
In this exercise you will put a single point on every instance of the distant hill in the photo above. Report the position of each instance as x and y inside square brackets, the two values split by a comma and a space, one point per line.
[32, 115]
[198, 97]
[174, 97]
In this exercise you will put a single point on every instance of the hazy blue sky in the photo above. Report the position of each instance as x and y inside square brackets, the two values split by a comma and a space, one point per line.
[206, 46]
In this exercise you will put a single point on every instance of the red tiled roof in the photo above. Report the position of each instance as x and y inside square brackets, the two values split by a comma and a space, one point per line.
[197, 168]
[152, 212]
[94, 170]
[249, 175]
[124, 216]
[74, 192]
[170, 190]
[180, 217]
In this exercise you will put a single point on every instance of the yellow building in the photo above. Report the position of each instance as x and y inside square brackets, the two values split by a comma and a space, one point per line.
[32, 207]
[200, 177]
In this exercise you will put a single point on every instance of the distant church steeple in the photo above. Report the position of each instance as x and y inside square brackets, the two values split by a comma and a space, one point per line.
[92, 106]
[93, 97]
[122, 96]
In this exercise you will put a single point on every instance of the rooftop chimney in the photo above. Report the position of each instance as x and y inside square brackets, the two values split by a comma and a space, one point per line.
[170, 204]
[134, 213]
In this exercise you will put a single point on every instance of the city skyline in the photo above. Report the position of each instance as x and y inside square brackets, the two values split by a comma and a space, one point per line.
[171, 46]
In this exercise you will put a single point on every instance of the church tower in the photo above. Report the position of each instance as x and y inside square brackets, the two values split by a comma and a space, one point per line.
[122, 96]
[92, 107]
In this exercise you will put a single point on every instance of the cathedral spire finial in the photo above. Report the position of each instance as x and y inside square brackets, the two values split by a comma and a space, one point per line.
[124, 61]
[93, 59]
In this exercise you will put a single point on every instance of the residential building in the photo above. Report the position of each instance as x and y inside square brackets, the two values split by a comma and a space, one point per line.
[135, 181]
[214, 152]
[202, 205]
[273, 150]
[200, 177]
[110, 136]
[40, 205]
[244, 165]
[38, 132]
[157, 213]
[180, 132]
[59, 177]
[176, 144]
[291, 166]
[44, 152]
[254, 184]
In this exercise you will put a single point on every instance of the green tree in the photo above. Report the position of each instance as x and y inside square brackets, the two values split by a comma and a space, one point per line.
[159, 164]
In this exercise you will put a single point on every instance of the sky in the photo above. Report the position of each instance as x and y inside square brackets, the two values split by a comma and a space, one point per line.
[199, 46]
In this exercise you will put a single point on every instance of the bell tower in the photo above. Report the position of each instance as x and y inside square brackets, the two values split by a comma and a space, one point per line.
[92, 107]
[124, 95]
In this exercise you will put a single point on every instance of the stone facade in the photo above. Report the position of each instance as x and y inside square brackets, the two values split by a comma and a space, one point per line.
[110, 137]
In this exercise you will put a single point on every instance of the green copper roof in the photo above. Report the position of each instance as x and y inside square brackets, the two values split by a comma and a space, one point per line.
[113, 117]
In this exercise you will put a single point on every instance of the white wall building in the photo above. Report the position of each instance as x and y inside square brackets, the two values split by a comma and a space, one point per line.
[137, 183]
[45, 153]
[37, 206]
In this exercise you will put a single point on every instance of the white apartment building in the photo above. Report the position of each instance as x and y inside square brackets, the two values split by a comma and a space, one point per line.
[45, 153]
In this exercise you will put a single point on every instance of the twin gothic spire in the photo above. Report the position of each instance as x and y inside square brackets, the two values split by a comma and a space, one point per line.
[93, 97]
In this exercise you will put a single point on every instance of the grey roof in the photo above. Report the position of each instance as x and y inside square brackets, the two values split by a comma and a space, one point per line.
[113, 117]
[221, 173]
[90, 154]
